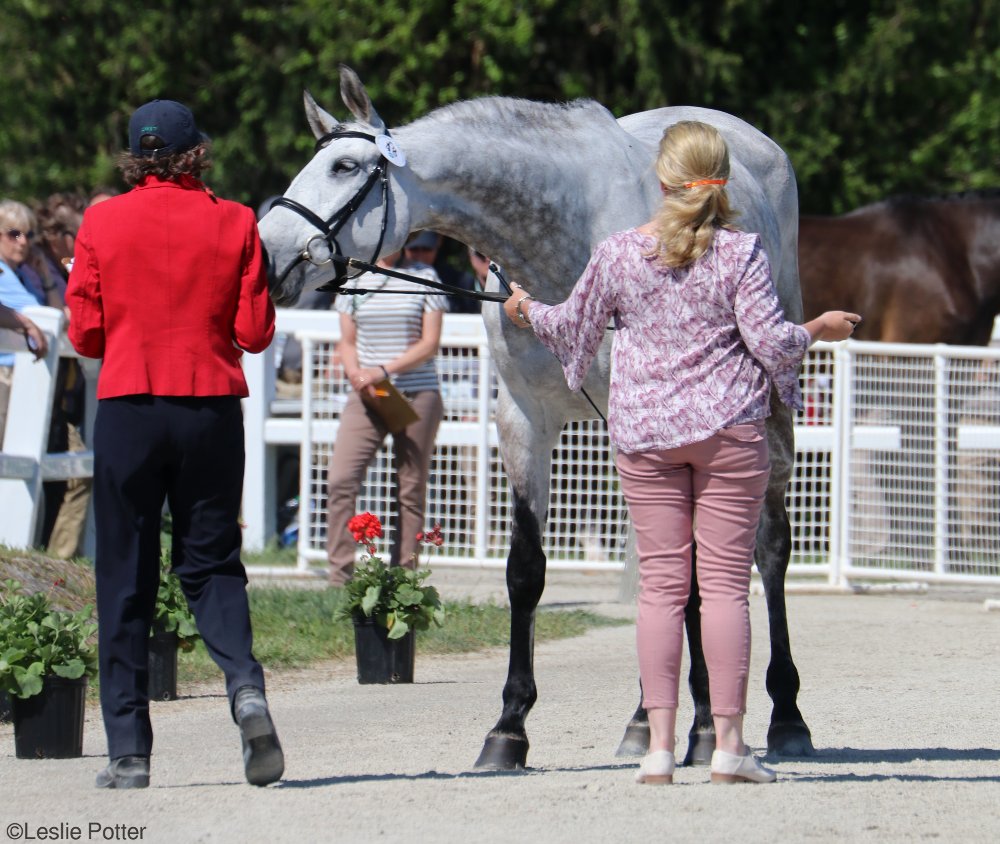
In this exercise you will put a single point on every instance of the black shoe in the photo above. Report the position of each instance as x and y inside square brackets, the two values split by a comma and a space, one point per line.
[125, 772]
[263, 760]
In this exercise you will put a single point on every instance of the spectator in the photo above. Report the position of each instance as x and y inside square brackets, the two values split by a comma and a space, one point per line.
[19, 288]
[480, 265]
[99, 194]
[425, 248]
[59, 219]
[169, 287]
[35, 338]
[392, 334]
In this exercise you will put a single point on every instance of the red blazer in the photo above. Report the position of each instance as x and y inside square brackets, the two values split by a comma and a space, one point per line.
[167, 282]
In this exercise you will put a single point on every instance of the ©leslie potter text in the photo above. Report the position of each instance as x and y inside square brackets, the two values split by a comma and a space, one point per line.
[93, 831]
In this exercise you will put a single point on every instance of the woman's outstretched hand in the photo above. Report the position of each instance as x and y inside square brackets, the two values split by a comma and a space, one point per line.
[832, 325]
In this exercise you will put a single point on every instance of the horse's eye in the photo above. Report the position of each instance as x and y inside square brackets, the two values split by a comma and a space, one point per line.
[344, 165]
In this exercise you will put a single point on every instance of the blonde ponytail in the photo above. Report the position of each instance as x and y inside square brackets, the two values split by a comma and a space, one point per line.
[693, 167]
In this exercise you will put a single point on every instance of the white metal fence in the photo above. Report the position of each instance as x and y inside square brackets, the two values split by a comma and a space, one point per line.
[897, 469]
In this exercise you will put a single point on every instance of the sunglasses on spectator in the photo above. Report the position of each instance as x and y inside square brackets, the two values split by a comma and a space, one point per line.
[17, 234]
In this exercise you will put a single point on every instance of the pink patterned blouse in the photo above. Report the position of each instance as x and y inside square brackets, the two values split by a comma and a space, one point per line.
[696, 348]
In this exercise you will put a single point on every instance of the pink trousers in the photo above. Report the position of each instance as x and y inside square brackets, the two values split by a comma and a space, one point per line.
[711, 492]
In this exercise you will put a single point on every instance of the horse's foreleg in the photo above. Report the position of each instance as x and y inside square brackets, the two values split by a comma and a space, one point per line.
[526, 447]
[788, 734]
[506, 746]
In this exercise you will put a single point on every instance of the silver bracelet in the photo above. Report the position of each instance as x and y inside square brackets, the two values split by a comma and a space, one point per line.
[517, 307]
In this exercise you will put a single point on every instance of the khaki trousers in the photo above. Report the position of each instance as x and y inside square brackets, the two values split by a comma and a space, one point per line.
[359, 438]
[67, 531]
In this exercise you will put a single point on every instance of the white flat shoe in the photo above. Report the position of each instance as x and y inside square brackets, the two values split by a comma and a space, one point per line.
[728, 767]
[657, 768]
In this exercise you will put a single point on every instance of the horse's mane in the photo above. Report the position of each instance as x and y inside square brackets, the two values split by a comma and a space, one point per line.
[525, 117]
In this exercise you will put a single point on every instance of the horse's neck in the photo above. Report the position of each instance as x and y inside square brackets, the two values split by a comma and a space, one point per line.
[537, 210]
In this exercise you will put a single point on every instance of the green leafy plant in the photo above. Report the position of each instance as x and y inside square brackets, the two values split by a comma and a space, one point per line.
[172, 613]
[38, 640]
[396, 597]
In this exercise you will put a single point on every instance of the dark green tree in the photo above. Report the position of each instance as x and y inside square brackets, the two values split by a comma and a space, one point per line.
[868, 99]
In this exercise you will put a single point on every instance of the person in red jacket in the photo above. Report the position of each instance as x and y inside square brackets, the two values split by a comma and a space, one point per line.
[168, 286]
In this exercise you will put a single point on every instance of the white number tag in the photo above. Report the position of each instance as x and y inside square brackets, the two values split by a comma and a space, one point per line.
[387, 146]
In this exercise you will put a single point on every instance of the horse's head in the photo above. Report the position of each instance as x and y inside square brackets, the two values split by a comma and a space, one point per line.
[341, 204]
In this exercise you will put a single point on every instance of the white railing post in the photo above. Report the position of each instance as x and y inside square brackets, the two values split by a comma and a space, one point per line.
[259, 479]
[305, 515]
[840, 487]
[941, 486]
[27, 430]
[485, 398]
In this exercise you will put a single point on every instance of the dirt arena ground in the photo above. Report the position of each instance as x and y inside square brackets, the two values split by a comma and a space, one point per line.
[900, 691]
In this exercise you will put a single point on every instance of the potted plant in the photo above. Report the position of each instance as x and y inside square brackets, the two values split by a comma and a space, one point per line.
[46, 657]
[173, 629]
[387, 605]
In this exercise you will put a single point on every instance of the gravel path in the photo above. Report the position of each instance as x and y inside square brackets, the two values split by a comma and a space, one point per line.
[882, 675]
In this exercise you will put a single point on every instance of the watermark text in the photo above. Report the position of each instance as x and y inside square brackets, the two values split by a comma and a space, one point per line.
[63, 831]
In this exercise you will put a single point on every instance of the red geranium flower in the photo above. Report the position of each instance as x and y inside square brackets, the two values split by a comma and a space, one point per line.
[364, 527]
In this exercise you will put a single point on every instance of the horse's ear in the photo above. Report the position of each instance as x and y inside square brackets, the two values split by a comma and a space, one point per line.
[356, 98]
[321, 122]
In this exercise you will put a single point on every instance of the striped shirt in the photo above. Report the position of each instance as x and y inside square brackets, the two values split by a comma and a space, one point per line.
[388, 323]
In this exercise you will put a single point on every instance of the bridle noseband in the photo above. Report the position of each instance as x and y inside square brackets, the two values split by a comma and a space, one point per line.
[332, 253]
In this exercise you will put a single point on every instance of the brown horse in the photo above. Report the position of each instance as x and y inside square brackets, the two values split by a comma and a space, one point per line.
[919, 270]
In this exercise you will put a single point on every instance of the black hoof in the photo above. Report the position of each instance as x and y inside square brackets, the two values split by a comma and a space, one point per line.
[503, 753]
[790, 740]
[700, 748]
[635, 742]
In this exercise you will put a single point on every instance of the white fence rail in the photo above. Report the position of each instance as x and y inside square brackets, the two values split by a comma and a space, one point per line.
[24, 462]
[897, 470]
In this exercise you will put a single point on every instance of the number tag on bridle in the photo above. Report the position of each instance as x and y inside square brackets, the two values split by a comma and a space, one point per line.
[387, 146]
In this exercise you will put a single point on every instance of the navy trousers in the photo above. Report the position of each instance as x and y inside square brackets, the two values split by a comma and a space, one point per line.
[189, 452]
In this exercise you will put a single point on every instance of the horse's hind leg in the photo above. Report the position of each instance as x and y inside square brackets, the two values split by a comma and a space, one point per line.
[701, 738]
[635, 742]
[788, 734]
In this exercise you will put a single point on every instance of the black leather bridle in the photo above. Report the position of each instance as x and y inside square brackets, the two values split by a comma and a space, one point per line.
[328, 229]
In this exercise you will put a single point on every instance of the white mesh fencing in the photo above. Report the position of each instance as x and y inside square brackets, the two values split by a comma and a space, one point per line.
[467, 492]
[897, 466]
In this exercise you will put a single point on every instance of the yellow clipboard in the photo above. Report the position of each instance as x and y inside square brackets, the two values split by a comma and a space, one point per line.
[390, 406]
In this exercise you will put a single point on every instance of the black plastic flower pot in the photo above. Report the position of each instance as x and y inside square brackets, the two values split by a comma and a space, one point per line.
[49, 725]
[163, 666]
[381, 659]
[5, 713]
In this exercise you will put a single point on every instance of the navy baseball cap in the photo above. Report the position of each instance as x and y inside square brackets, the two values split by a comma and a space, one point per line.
[170, 122]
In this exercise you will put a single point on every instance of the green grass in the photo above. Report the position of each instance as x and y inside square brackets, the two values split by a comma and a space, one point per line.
[294, 628]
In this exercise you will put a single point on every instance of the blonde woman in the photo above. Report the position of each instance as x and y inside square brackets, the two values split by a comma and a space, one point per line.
[701, 339]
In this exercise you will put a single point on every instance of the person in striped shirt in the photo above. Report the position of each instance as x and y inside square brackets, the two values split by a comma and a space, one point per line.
[394, 334]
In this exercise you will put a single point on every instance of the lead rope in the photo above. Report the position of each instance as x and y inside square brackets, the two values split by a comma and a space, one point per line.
[446, 290]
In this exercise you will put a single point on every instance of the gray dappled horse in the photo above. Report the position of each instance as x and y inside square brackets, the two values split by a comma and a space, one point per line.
[536, 186]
